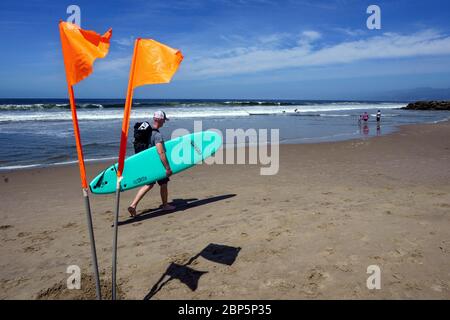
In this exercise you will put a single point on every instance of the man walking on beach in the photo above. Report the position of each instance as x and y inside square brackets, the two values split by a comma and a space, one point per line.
[156, 139]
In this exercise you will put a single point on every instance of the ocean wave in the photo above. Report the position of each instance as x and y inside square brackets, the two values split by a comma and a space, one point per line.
[335, 115]
[182, 103]
[44, 106]
[439, 121]
[97, 111]
[62, 163]
[113, 116]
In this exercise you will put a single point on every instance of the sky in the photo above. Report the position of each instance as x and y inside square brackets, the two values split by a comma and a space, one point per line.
[241, 49]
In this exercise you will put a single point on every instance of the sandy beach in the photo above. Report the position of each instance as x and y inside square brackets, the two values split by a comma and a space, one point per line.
[309, 232]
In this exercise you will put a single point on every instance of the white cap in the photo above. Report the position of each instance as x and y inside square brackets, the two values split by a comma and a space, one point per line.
[160, 115]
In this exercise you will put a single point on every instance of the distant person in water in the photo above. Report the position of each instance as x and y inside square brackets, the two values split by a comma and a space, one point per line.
[378, 116]
[156, 139]
[365, 116]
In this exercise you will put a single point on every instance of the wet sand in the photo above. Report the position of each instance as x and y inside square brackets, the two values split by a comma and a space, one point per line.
[309, 232]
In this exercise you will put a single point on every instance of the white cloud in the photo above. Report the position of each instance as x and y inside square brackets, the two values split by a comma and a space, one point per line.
[311, 35]
[115, 64]
[307, 37]
[261, 58]
[124, 42]
[351, 32]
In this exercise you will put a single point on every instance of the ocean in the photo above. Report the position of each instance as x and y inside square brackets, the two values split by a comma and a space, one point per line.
[39, 132]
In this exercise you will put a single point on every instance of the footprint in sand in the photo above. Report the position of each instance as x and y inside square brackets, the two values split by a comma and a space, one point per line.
[314, 279]
[328, 251]
[23, 234]
[180, 258]
[444, 247]
[325, 226]
[31, 249]
[397, 253]
[69, 225]
[81, 244]
[281, 284]
[5, 226]
[43, 237]
[343, 266]
[436, 193]
[276, 233]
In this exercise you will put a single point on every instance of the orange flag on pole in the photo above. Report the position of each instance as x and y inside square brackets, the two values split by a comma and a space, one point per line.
[155, 63]
[80, 49]
[152, 63]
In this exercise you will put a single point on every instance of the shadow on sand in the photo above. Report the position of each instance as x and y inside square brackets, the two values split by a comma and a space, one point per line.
[217, 253]
[180, 204]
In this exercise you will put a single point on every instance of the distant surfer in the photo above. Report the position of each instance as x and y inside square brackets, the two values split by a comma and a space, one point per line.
[156, 139]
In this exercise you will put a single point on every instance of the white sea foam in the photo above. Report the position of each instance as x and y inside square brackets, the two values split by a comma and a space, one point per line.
[43, 165]
[184, 112]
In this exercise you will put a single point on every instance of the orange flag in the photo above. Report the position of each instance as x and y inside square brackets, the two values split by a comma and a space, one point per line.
[80, 49]
[154, 62]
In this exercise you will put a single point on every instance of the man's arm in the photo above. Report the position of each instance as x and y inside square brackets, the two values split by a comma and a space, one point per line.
[162, 156]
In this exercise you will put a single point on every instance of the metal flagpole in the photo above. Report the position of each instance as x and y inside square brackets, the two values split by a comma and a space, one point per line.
[114, 254]
[122, 152]
[92, 240]
[85, 191]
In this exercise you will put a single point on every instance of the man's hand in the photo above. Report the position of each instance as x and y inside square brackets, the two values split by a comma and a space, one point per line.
[168, 172]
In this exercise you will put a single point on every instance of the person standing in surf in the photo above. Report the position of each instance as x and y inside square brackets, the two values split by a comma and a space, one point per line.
[365, 117]
[155, 138]
[378, 116]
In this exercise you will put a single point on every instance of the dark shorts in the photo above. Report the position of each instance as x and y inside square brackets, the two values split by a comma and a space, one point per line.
[160, 182]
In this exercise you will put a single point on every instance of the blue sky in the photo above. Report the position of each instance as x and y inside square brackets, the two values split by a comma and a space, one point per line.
[260, 49]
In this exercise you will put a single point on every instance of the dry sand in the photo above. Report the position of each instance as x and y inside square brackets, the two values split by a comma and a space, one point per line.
[310, 231]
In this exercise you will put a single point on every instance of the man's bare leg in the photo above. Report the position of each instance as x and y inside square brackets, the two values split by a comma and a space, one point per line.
[164, 197]
[141, 193]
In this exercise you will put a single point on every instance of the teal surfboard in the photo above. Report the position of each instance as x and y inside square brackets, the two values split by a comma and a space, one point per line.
[146, 167]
